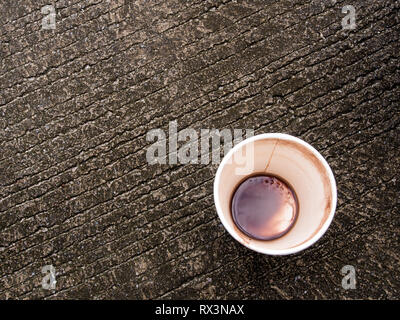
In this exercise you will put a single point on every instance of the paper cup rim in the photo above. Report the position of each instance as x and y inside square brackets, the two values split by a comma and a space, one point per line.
[234, 233]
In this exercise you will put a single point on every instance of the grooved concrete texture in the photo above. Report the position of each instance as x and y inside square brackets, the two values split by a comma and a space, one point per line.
[76, 104]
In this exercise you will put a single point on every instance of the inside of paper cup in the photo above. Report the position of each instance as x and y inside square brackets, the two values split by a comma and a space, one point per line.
[301, 168]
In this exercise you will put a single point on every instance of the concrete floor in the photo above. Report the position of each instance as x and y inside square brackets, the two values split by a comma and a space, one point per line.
[76, 103]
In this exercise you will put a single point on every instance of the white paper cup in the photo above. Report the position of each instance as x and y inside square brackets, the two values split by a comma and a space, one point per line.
[296, 162]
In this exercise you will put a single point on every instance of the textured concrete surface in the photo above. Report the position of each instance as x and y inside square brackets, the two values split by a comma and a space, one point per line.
[76, 103]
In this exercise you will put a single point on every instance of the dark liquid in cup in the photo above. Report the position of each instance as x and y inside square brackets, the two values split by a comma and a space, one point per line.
[264, 207]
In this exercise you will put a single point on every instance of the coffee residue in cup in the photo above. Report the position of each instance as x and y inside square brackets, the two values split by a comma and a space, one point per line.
[264, 207]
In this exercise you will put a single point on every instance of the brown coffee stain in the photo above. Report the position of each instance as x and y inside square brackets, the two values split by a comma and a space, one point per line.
[325, 181]
[246, 240]
[270, 157]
